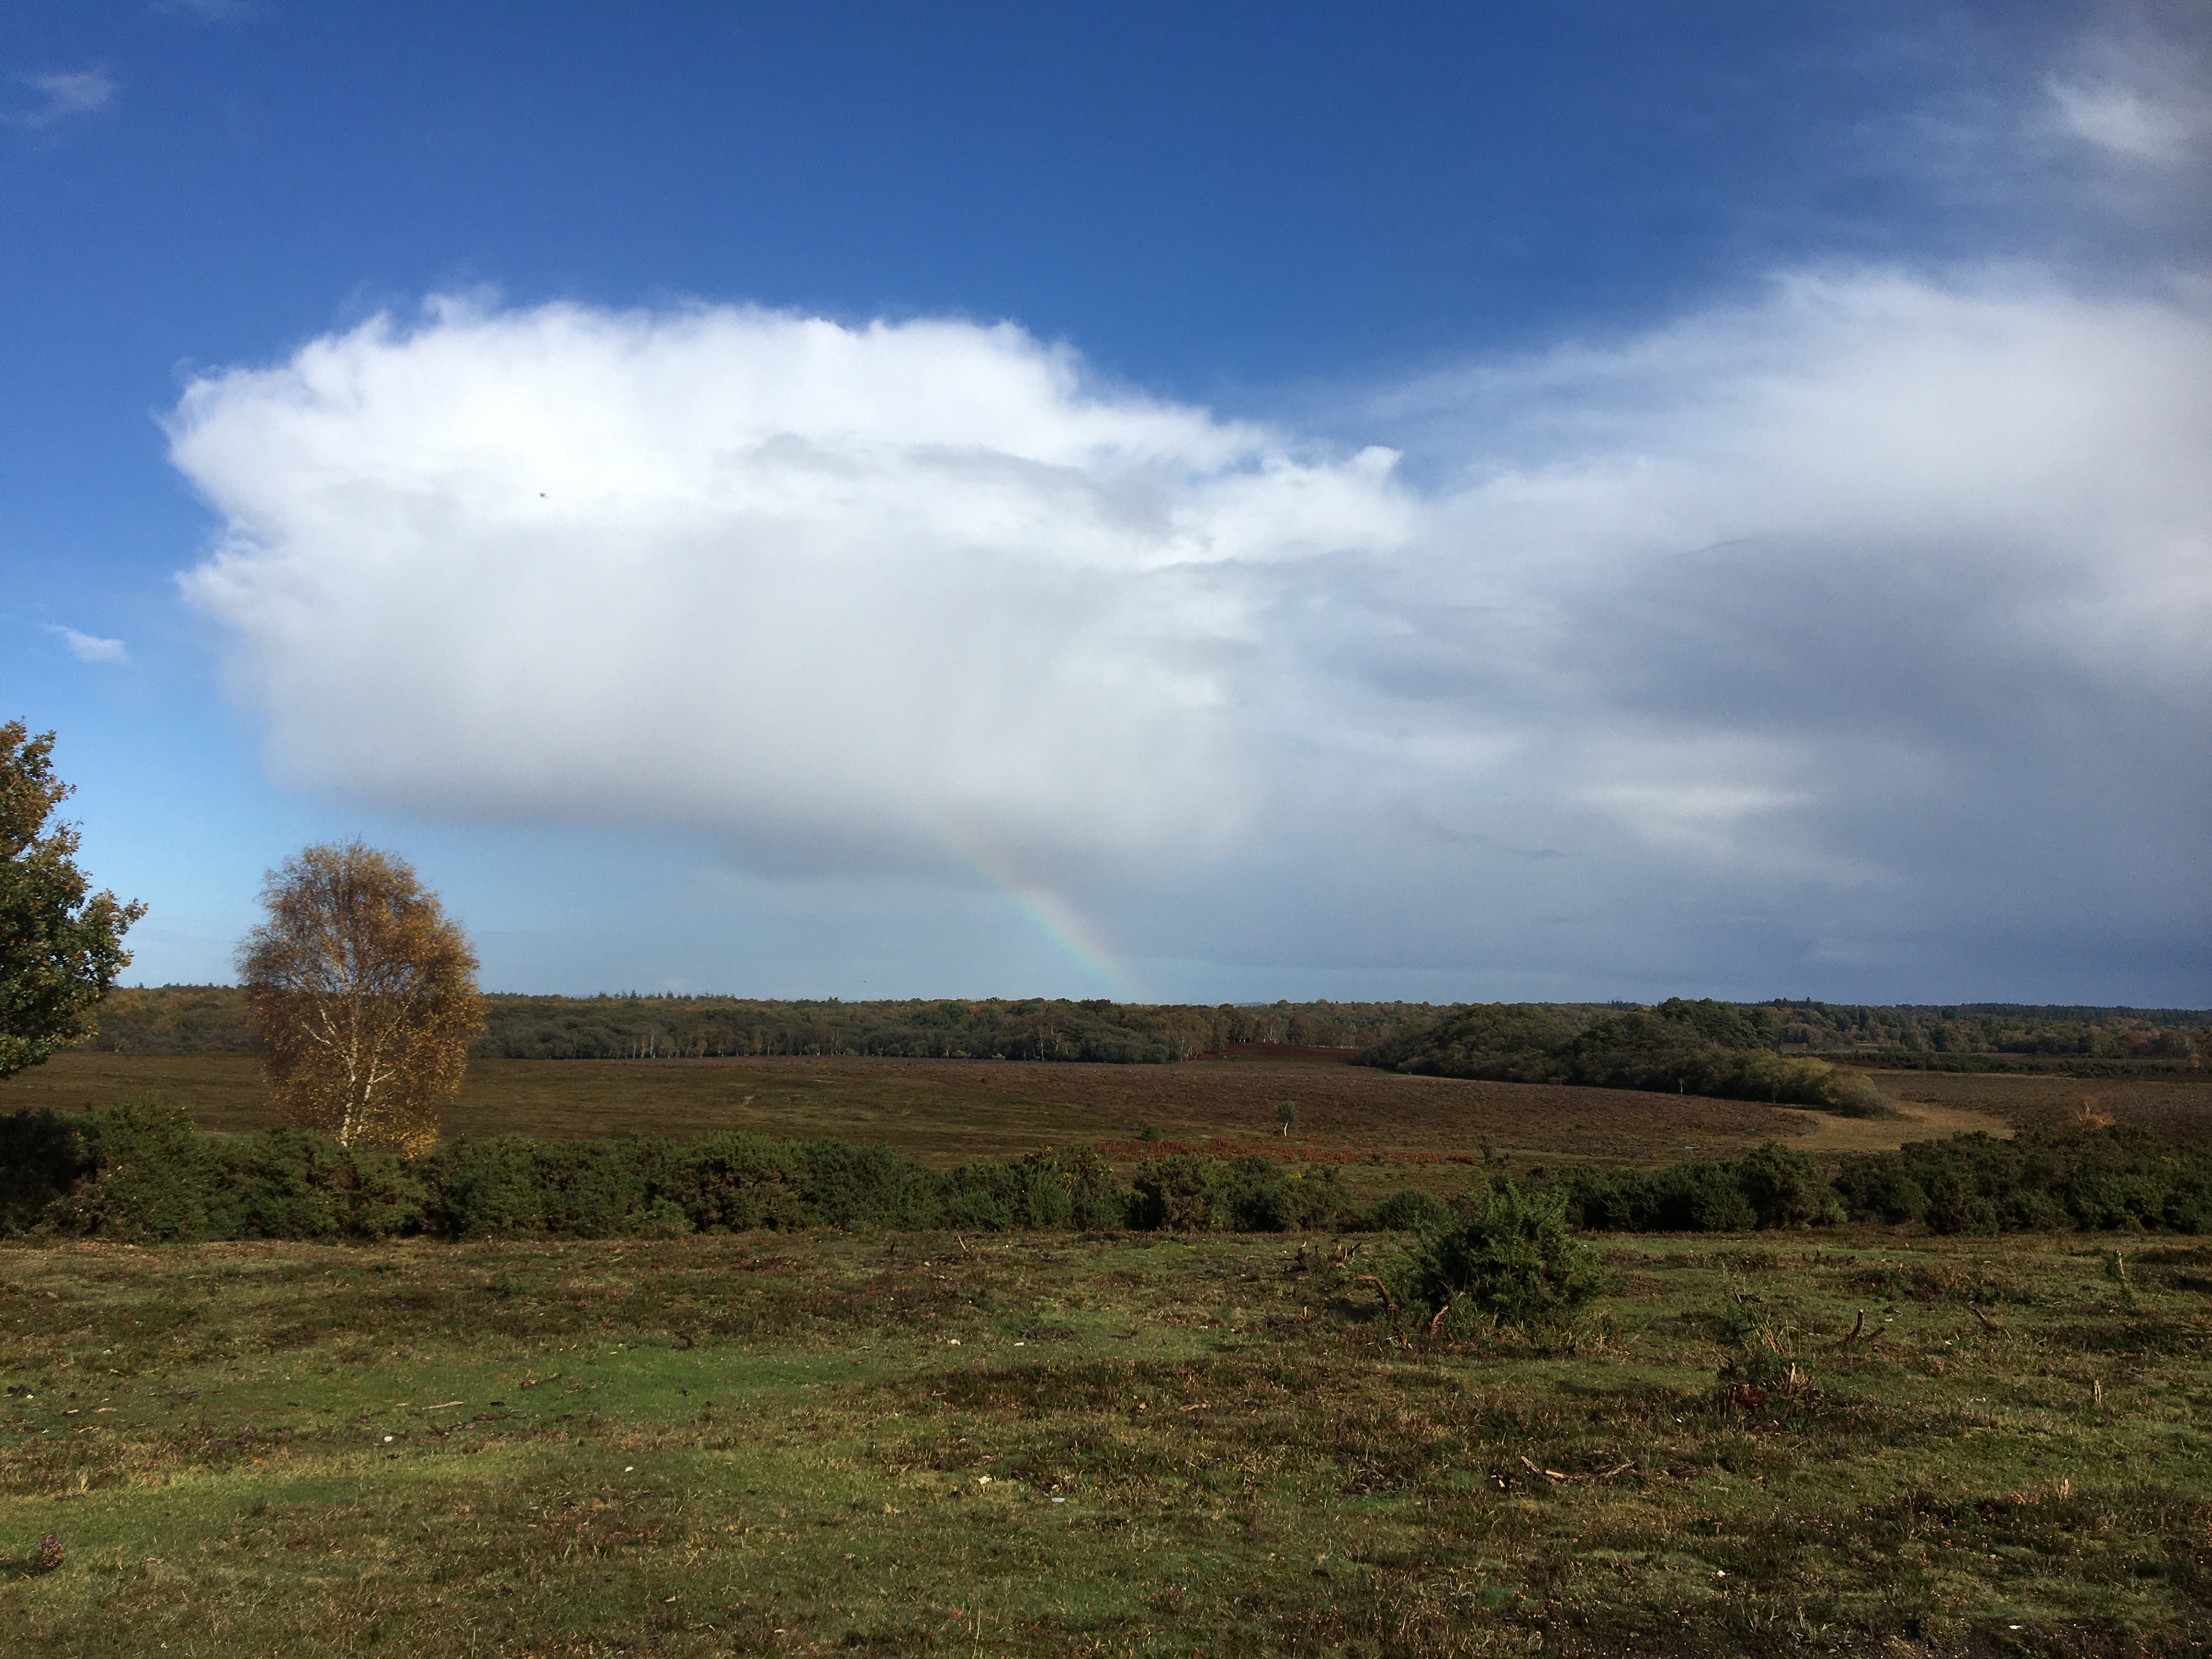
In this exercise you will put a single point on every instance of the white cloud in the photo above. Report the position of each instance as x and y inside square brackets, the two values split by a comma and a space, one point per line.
[90, 647]
[1853, 614]
[838, 594]
[2126, 121]
[62, 94]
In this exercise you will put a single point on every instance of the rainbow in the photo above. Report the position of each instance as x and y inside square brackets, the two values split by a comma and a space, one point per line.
[1054, 917]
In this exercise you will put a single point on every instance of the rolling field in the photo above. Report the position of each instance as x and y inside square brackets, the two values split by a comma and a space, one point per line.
[948, 1111]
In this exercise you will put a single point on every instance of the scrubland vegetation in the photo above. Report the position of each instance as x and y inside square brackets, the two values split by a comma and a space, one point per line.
[141, 1173]
[831, 1354]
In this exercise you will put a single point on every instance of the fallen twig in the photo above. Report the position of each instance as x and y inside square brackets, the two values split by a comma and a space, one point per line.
[1548, 1474]
[1389, 1300]
[1859, 1325]
[1988, 1323]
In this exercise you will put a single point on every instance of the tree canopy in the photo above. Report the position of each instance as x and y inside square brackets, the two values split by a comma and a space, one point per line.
[364, 997]
[61, 944]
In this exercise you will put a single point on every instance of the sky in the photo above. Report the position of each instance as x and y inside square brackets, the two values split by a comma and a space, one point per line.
[1170, 502]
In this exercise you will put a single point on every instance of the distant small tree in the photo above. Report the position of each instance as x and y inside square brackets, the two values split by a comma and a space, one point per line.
[61, 947]
[1286, 1117]
[364, 997]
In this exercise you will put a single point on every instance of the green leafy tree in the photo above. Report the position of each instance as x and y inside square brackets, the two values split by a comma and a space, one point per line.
[61, 944]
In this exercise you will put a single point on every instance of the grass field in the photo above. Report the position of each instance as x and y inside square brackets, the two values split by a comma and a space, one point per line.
[821, 1443]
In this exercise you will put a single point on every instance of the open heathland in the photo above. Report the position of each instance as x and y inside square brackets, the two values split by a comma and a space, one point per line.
[956, 1109]
[1840, 1440]
[1848, 1443]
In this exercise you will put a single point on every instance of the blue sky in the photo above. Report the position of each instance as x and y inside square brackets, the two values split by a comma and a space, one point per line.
[1172, 502]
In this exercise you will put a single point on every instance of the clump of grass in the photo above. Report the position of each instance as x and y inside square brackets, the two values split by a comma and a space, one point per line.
[1760, 1339]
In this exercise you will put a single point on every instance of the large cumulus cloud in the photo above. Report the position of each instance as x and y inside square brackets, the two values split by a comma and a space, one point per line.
[843, 595]
[1863, 623]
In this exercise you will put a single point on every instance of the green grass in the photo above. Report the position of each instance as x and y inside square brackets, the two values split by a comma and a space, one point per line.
[826, 1443]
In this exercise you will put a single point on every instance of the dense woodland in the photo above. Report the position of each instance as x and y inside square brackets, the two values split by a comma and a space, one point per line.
[200, 1018]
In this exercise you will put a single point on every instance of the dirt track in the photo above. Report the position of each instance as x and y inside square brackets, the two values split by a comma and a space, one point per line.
[1825, 1131]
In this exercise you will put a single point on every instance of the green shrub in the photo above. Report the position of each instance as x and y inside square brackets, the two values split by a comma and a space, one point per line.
[1411, 1211]
[1682, 1198]
[138, 1171]
[1512, 1261]
[732, 1182]
[1180, 1193]
[864, 1187]
[289, 1184]
[1785, 1188]
[1096, 1201]
[151, 1178]
[42, 1156]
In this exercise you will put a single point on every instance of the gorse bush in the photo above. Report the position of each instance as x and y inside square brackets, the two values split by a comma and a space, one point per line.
[1776, 1186]
[1187, 1192]
[1413, 1210]
[2041, 1181]
[1512, 1261]
[138, 1172]
[2096, 1180]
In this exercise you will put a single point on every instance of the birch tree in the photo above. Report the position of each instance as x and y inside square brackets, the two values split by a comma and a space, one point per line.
[364, 997]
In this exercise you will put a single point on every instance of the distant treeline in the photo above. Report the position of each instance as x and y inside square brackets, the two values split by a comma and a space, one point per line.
[206, 1018]
[216, 1019]
[1036, 1027]
[139, 1173]
[1992, 1029]
[1756, 1051]
[1702, 1048]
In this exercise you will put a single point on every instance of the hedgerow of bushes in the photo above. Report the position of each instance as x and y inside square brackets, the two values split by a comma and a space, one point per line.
[2042, 1181]
[139, 1172]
